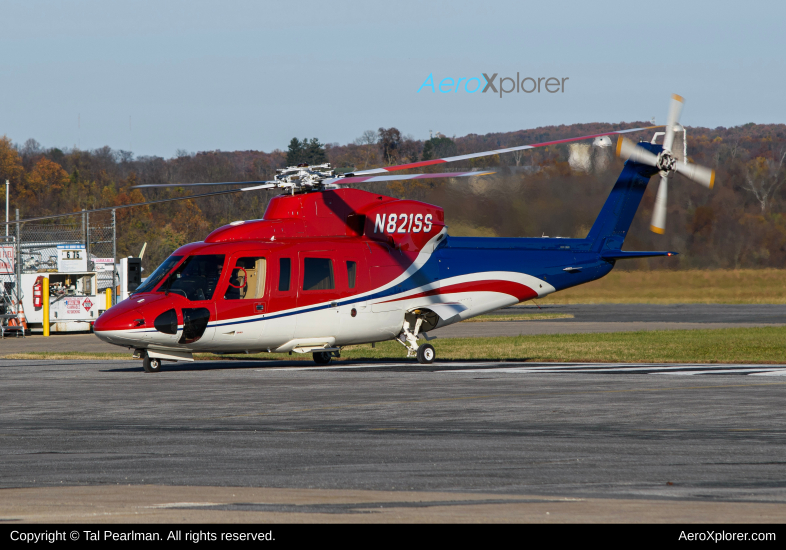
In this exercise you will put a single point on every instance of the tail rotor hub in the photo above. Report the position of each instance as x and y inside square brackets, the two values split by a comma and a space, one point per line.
[666, 162]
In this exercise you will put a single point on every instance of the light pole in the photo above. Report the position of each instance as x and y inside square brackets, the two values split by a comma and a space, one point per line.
[7, 184]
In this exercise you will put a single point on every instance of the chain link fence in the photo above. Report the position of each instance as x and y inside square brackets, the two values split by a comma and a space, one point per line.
[38, 248]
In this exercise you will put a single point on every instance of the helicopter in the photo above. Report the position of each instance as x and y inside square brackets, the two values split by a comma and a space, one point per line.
[328, 266]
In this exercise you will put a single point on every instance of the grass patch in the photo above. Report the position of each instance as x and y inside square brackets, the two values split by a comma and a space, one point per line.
[721, 286]
[519, 317]
[731, 345]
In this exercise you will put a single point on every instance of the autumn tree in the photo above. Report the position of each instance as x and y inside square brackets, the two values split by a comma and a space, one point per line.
[763, 177]
[739, 223]
[10, 162]
[367, 143]
[389, 142]
[44, 184]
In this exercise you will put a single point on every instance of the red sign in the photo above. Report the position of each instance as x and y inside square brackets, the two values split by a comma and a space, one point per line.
[87, 304]
[6, 260]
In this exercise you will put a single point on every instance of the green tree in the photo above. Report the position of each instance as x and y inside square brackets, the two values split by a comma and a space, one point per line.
[306, 151]
[439, 147]
[315, 152]
[294, 152]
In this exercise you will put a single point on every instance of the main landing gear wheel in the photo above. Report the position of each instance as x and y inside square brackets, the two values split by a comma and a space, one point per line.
[151, 365]
[426, 354]
[322, 357]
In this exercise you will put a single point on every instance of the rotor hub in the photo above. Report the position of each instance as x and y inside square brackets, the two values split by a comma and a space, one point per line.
[304, 177]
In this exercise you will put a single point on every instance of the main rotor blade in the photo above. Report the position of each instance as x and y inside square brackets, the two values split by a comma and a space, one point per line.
[658, 224]
[371, 179]
[627, 150]
[672, 120]
[107, 208]
[495, 152]
[148, 185]
[700, 174]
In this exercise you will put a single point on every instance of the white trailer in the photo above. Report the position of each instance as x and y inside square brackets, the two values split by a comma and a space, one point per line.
[74, 303]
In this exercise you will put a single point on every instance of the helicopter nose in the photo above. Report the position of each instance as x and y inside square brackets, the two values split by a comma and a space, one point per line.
[116, 325]
[112, 320]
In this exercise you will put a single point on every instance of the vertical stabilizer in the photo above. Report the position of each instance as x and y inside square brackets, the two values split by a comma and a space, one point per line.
[612, 225]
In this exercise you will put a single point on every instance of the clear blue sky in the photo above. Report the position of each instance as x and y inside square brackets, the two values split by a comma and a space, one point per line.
[158, 76]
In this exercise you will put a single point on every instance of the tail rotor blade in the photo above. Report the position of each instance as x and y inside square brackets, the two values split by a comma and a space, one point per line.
[627, 150]
[658, 224]
[672, 120]
[700, 174]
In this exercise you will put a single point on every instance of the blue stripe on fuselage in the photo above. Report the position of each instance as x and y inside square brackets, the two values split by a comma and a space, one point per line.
[542, 258]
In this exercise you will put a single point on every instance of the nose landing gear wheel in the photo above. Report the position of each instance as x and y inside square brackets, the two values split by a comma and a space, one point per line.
[322, 357]
[426, 354]
[151, 365]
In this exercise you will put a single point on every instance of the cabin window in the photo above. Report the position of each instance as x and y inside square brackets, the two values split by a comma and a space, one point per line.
[351, 273]
[247, 280]
[160, 272]
[318, 274]
[196, 278]
[284, 273]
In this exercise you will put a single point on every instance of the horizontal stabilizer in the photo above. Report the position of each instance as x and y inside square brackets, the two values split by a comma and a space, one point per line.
[620, 255]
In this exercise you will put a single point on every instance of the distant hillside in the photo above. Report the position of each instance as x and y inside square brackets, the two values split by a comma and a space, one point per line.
[740, 223]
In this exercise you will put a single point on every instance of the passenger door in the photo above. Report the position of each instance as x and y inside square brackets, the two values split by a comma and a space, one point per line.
[242, 304]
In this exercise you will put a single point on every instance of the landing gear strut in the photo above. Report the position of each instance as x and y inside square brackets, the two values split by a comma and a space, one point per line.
[409, 339]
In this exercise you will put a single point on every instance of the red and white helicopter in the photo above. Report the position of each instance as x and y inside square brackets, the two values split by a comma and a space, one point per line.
[329, 266]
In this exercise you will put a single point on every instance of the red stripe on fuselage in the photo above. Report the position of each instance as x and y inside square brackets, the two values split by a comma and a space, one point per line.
[520, 291]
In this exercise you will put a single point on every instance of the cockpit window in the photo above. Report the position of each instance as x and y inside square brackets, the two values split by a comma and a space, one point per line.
[152, 281]
[196, 278]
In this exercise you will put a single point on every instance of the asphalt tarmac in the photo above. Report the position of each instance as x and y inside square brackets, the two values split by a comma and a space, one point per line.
[453, 441]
